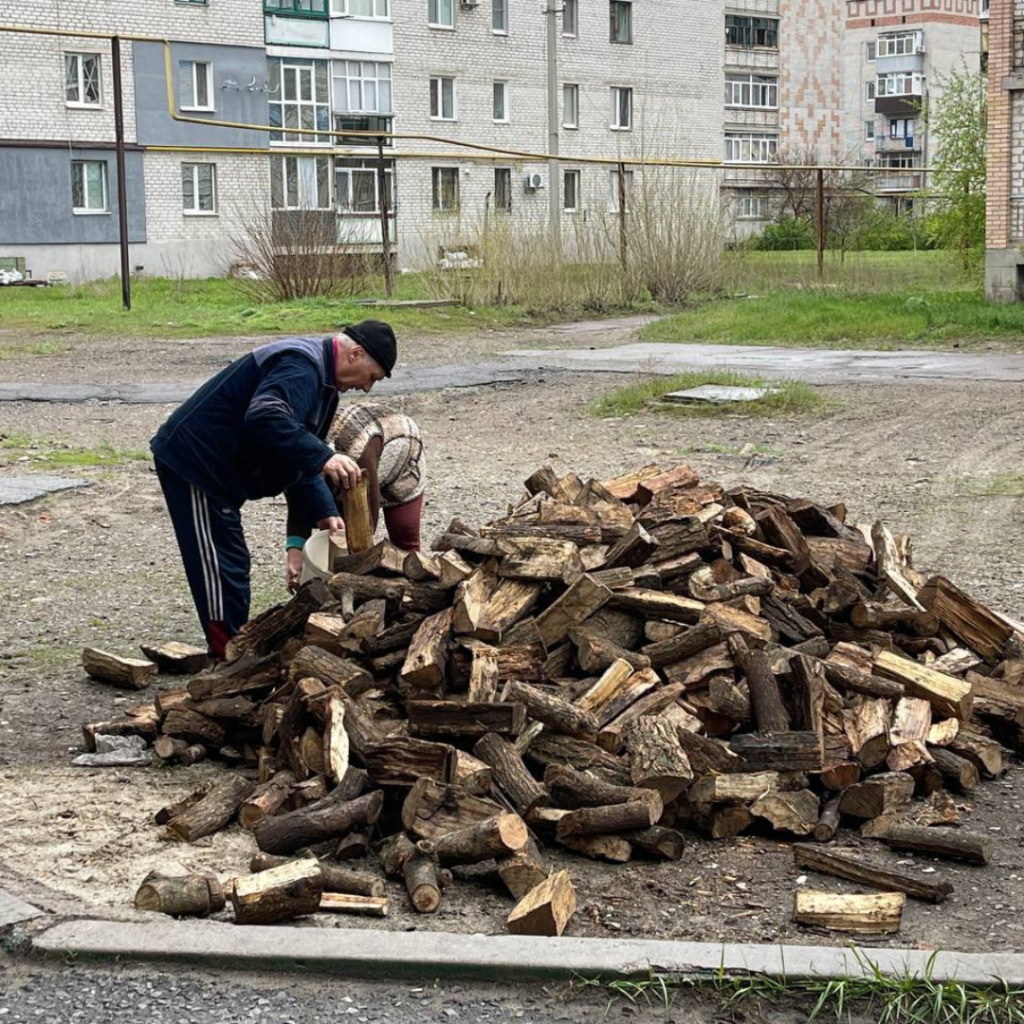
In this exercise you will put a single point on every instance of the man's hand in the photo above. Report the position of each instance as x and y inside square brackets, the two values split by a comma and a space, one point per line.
[341, 473]
[293, 571]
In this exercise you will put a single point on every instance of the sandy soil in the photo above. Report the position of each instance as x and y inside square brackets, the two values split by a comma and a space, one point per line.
[99, 566]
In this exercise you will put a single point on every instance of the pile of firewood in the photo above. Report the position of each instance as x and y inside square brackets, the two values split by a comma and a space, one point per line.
[605, 666]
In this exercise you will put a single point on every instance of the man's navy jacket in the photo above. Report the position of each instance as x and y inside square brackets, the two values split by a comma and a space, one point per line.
[257, 429]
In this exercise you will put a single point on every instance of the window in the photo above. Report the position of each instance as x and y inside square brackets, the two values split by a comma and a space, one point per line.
[869, 91]
[901, 128]
[82, 79]
[300, 183]
[627, 189]
[445, 188]
[899, 44]
[297, 8]
[195, 85]
[199, 188]
[872, 48]
[622, 107]
[356, 186]
[501, 102]
[89, 186]
[869, 130]
[902, 161]
[751, 91]
[571, 191]
[299, 97]
[361, 87]
[570, 106]
[503, 189]
[749, 32]
[900, 83]
[380, 9]
[499, 15]
[197, 3]
[621, 21]
[441, 13]
[570, 17]
[750, 149]
[751, 207]
[442, 99]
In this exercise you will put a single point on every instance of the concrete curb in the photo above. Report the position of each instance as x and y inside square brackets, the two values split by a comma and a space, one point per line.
[432, 954]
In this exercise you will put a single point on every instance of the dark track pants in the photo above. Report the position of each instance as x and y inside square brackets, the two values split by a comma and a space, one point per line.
[215, 556]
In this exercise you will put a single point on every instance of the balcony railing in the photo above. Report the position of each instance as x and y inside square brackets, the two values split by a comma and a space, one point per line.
[898, 181]
[297, 8]
[896, 144]
[361, 123]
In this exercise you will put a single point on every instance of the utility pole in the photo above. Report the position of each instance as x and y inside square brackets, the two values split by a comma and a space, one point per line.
[554, 185]
[122, 190]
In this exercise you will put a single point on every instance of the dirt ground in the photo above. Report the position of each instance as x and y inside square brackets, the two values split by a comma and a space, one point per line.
[99, 566]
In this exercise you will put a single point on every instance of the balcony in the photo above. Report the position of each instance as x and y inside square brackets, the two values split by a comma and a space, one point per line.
[897, 144]
[297, 8]
[900, 62]
[896, 180]
[906, 105]
[296, 23]
[361, 123]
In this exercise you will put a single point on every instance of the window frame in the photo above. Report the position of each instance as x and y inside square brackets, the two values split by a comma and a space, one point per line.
[278, 103]
[209, 106]
[763, 25]
[869, 130]
[614, 7]
[870, 90]
[283, 160]
[79, 57]
[436, 185]
[745, 209]
[195, 210]
[348, 79]
[872, 51]
[437, 6]
[574, 6]
[437, 96]
[897, 44]
[617, 108]
[89, 211]
[347, 168]
[767, 86]
[340, 9]
[765, 142]
[501, 85]
[573, 89]
[914, 79]
[613, 184]
[503, 6]
[293, 8]
[573, 173]
[506, 174]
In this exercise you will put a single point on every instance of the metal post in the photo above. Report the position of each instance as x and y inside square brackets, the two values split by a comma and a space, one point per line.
[554, 185]
[821, 223]
[623, 247]
[122, 190]
[385, 228]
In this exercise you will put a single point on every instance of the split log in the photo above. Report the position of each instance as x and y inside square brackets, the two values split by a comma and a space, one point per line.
[212, 812]
[841, 864]
[741, 788]
[613, 849]
[557, 714]
[424, 667]
[877, 795]
[874, 914]
[796, 813]
[573, 789]
[186, 896]
[608, 686]
[594, 821]
[190, 725]
[540, 558]
[523, 870]
[766, 700]
[781, 751]
[979, 627]
[335, 878]
[176, 658]
[354, 846]
[343, 903]
[910, 721]
[953, 843]
[383, 557]
[287, 833]
[985, 754]
[948, 695]
[126, 673]
[546, 909]
[330, 670]
[471, 774]
[840, 775]
[658, 605]
[355, 510]
[828, 820]
[684, 644]
[613, 735]
[404, 760]
[421, 567]
[126, 726]
[636, 686]
[178, 807]
[431, 810]
[708, 755]
[852, 680]
[808, 693]
[483, 673]
[595, 652]
[511, 775]
[486, 611]
[278, 894]
[265, 800]
[656, 758]
[499, 836]
[551, 748]
[269, 630]
[464, 718]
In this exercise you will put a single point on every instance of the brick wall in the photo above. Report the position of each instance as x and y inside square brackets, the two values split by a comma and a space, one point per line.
[1000, 120]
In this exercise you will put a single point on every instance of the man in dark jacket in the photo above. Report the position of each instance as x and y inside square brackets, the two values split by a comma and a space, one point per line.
[256, 430]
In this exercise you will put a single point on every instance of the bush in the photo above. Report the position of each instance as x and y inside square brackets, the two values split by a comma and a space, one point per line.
[890, 233]
[788, 233]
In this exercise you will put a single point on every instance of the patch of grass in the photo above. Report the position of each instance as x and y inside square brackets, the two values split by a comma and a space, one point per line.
[820, 318]
[789, 396]
[23, 349]
[52, 453]
[991, 485]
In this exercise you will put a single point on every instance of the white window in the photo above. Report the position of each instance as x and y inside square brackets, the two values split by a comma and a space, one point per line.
[872, 49]
[751, 91]
[195, 85]
[621, 16]
[501, 111]
[362, 87]
[362, 8]
[82, 79]
[503, 189]
[899, 44]
[499, 16]
[903, 161]
[299, 97]
[300, 183]
[622, 107]
[751, 207]
[357, 186]
[901, 128]
[570, 17]
[571, 191]
[199, 189]
[570, 106]
[445, 188]
[869, 91]
[627, 188]
[869, 130]
[900, 83]
[442, 99]
[751, 149]
[441, 13]
[89, 186]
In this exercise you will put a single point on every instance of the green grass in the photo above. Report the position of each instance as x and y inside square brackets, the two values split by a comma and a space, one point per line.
[1005, 484]
[49, 453]
[644, 395]
[20, 349]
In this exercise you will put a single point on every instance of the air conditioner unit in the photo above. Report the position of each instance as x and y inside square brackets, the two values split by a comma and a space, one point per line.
[534, 181]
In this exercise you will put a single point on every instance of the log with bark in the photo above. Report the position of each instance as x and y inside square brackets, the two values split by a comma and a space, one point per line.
[843, 864]
[279, 894]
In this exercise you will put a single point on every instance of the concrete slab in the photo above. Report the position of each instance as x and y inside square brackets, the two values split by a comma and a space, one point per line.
[716, 394]
[16, 490]
[431, 954]
[14, 911]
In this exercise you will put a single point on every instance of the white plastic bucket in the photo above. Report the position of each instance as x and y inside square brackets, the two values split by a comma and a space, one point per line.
[315, 557]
